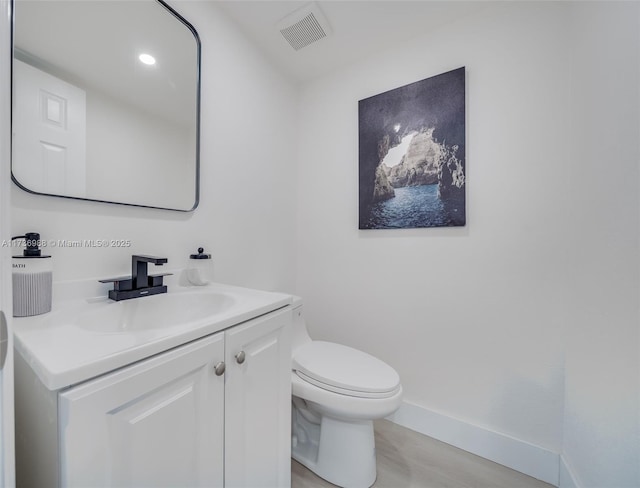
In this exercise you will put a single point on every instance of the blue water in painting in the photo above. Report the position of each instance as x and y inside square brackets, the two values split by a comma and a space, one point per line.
[413, 206]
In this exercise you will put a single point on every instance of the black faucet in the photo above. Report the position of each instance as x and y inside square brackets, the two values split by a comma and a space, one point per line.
[140, 283]
[139, 273]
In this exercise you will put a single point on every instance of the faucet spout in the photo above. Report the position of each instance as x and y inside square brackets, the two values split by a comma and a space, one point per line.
[139, 271]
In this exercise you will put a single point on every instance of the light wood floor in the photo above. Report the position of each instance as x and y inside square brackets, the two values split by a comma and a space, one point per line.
[407, 459]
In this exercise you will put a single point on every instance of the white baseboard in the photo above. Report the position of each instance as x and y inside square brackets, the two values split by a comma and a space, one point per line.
[516, 454]
[567, 478]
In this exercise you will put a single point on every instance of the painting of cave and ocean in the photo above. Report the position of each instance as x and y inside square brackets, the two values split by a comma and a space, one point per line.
[412, 155]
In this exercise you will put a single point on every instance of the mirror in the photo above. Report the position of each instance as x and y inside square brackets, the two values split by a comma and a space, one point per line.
[92, 119]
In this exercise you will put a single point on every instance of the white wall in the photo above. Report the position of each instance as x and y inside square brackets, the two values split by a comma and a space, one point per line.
[601, 435]
[470, 317]
[119, 137]
[473, 318]
[246, 213]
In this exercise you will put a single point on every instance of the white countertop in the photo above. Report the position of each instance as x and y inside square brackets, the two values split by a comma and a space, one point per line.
[75, 341]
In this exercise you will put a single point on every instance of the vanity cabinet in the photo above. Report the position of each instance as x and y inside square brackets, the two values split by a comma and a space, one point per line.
[156, 423]
[258, 405]
[214, 412]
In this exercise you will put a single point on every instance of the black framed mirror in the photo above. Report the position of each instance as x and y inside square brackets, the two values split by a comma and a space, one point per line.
[106, 102]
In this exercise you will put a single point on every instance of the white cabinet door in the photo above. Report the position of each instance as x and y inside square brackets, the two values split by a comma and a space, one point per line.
[258, 403]
[156, 423]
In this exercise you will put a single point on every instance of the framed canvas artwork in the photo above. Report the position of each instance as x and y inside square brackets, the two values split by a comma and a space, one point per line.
[412, 155]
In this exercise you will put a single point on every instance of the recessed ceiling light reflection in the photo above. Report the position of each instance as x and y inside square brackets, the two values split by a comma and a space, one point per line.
[147, 59]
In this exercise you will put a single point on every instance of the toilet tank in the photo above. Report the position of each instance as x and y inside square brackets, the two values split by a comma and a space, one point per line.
[300, 334]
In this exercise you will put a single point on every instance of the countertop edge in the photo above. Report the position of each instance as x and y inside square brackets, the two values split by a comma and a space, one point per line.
[63, 379]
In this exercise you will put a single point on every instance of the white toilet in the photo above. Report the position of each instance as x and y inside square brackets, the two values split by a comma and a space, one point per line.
[337, 393]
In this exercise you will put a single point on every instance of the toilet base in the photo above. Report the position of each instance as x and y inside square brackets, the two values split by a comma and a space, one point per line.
[341, 452]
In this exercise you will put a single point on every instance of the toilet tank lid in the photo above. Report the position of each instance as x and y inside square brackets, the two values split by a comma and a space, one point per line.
[344, 367]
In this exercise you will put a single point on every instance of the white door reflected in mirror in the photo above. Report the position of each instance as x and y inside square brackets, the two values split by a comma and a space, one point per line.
[49, 130]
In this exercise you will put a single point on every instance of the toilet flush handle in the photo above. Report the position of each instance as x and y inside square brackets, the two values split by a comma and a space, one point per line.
[240, 357]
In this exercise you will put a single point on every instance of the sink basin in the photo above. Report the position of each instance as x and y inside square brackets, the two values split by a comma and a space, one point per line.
[154, 312]
[82, 338]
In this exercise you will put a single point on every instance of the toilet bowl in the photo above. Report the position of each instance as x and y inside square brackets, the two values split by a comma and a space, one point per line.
[337, 393]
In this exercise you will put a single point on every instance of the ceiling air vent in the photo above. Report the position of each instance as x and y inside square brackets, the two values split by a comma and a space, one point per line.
[304, 26]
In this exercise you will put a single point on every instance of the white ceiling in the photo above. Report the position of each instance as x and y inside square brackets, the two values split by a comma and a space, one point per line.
[361, 28]
[96, 45]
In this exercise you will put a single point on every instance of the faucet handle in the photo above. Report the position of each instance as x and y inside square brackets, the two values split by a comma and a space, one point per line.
[157, 279]
[121, 283]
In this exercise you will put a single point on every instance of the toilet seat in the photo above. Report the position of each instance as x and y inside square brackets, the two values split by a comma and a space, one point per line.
[344, 370]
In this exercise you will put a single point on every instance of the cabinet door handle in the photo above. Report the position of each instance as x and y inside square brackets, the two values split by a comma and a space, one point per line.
[240, 357]
[219, 368]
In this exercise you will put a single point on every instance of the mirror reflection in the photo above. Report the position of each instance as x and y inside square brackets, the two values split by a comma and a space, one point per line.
[105, 102]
